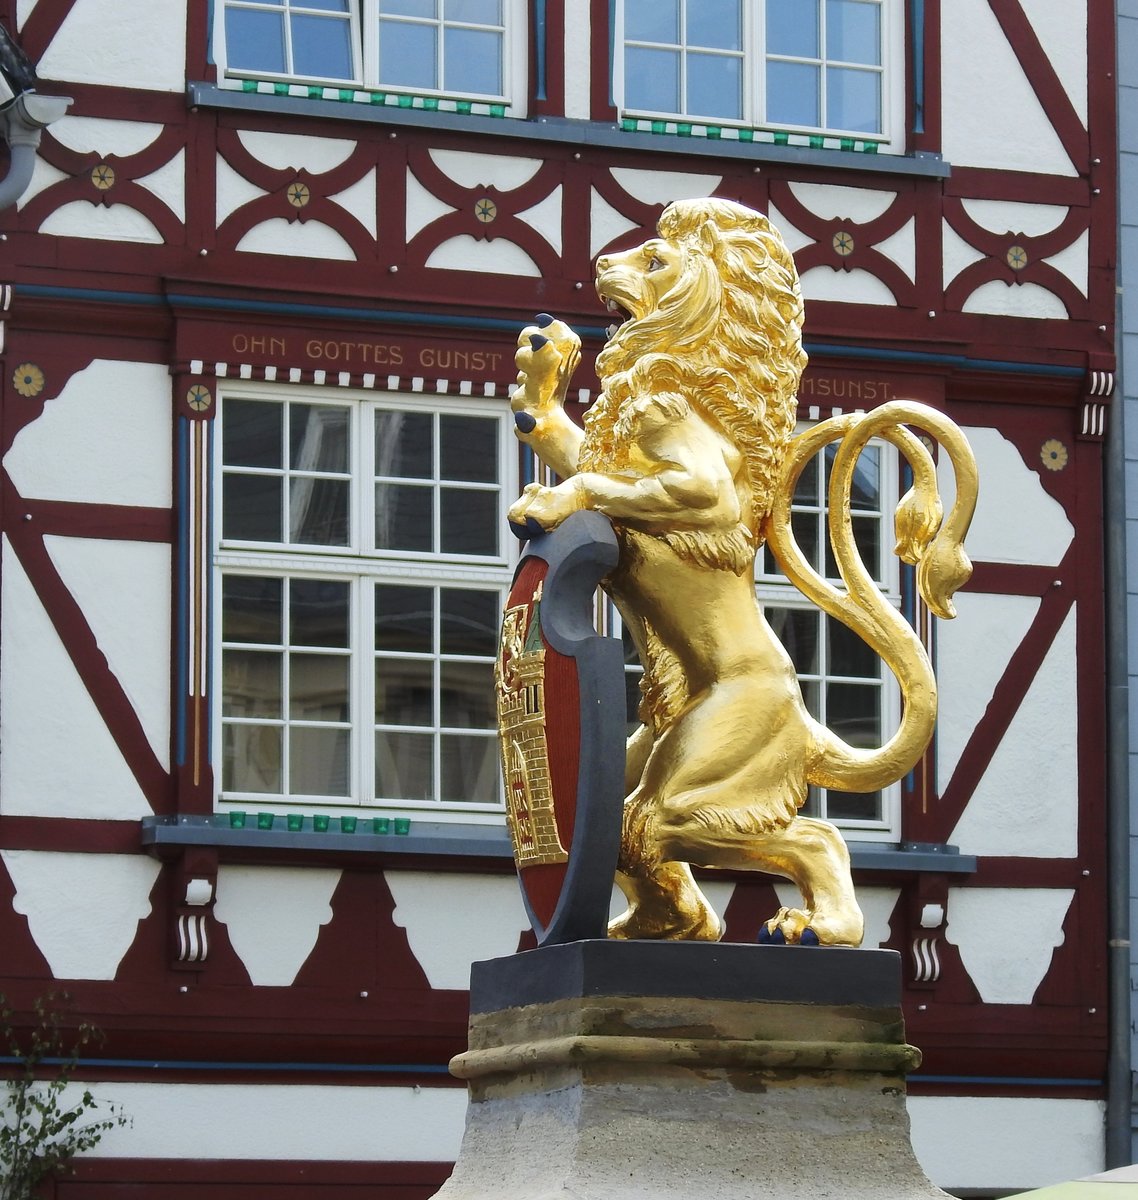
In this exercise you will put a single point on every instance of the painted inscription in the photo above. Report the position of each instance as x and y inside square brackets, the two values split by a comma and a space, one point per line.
[363, 353]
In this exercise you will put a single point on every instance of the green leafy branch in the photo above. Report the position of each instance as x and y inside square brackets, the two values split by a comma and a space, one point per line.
[39, 1136]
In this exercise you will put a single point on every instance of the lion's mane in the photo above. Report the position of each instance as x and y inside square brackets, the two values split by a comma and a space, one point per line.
[727, 337]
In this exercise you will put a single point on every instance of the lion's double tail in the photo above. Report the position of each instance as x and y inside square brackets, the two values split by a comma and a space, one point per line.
[925, 539]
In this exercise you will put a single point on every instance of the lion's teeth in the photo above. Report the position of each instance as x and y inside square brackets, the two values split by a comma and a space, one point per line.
[612, 329]
[613, 307]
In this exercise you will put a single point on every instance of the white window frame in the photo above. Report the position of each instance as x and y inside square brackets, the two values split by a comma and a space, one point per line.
[365, 57]
[893, 74]
[361, 565]
[775, 591]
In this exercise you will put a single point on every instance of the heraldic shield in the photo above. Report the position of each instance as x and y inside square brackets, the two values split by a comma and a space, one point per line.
[561, 724]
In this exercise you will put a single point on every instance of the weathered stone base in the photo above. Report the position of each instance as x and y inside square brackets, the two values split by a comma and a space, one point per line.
[620, 1070]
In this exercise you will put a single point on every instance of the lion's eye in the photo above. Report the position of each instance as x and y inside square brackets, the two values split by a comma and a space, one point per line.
[655, 264]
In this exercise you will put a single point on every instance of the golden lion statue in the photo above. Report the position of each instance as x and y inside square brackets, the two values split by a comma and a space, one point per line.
[690, 451]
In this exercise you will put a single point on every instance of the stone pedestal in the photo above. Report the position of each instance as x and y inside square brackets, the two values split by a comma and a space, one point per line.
[608, 1070]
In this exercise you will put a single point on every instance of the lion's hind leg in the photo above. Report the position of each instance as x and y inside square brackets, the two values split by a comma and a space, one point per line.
[813, 855]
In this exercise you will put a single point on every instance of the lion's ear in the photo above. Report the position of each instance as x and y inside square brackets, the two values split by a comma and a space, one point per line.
[709, 238]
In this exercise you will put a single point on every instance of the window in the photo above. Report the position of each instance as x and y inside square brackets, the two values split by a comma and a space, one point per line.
[805, 66]
[465, 50]
[844, 684]
[362, 564]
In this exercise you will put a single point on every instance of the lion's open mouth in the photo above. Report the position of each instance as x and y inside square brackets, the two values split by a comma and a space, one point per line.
[618, 312]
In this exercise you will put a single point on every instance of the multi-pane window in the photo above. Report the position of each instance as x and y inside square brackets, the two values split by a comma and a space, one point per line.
[844, 683]
[813, 66]
[362, 566]
[432, 48]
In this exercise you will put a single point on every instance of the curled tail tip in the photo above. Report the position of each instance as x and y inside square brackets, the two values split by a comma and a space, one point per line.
[916, 521]
[942, 571]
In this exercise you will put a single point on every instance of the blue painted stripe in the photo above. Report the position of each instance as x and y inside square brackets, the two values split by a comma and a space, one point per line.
[539, 44]
[503, 325]
[830, 350]
[181, 638]
[159, 1064]
[917, 14]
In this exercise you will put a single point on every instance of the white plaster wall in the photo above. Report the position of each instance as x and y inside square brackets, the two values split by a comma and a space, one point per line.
[794, 238]
[118, 223]
[292, 151]
[848, 287]
[59, 759]
[499, 257]
[662, 187]
[972, 653]
[1016, 521]
[1007, 937]
[1001, 299]
[1005, 1143]
[423, 207]
[274, 916]
[104, 136]
[1009, 216]
[605, 224]
[140, 43]
[281, 1122]
[1074, 261]
[901, 248]
[545, 218]
[1062, 32]
[83, 910]
[1027, 801]
[501, 171]
[233, 190]
[455, 920]
[956, 253]
[991, 116]
[168, 183]
[78, 449]
[832, 202]
[577, 39]
[1010, 1143]
[297, 239]
[123, 589]
[359, 200]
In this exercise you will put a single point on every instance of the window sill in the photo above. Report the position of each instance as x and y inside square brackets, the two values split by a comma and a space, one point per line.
[566, 132]
[166, 837]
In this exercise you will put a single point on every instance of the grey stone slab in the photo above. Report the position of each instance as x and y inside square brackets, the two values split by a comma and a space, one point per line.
[1132, 580]
[1127, 50]
[1128, 119]
[1128, 277]
[1132, 628]
[707, 970]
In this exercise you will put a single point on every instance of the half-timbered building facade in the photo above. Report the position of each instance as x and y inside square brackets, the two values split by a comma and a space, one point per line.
[260, 305]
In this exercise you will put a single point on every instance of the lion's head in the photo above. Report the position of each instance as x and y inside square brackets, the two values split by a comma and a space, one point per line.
[712, 310]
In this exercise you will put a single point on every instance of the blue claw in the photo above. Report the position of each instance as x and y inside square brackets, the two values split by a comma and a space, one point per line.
[525, 422]
[809, 938]
[778, 938]
[764, 935]
[543, 319]
[536, 340]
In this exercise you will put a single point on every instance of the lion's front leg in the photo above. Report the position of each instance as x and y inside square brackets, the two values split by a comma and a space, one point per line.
[541, 508]
[547, 356]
